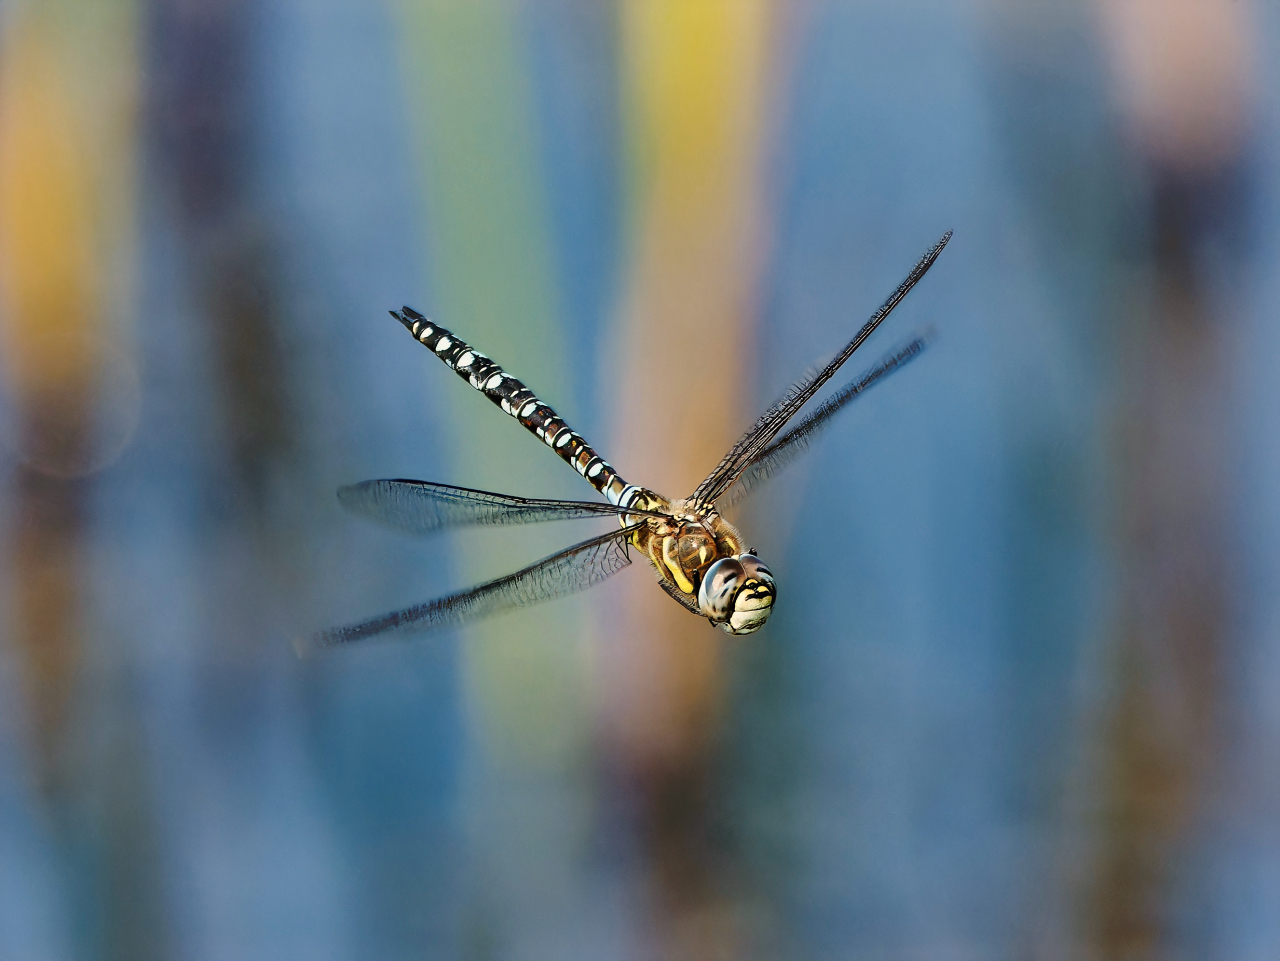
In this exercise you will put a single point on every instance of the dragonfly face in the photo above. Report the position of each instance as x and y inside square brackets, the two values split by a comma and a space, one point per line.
[701, 559]
[737, 594]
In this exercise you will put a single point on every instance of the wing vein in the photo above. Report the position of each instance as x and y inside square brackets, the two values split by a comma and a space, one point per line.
[771, 422]
[796, 441]
[423, 507]
[574, 569]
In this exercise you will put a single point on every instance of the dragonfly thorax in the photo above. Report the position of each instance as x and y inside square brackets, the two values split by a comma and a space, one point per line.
[703, 557]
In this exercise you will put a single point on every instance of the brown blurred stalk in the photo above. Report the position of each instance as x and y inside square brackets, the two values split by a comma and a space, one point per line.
[203, 117]
[1182, 73]
[696, 85]
[50, 285]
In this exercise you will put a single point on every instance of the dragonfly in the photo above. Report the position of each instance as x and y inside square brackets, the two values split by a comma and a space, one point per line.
[701, 560]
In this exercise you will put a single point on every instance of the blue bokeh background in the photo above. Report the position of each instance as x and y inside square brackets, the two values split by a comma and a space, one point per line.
[1019, 698]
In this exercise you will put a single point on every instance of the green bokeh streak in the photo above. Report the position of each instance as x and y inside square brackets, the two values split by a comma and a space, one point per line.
[493, 281]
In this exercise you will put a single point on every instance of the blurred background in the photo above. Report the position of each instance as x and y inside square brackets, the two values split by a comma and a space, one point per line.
[1020, 697]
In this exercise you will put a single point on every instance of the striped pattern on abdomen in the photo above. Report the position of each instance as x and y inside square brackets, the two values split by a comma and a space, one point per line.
[519, 401]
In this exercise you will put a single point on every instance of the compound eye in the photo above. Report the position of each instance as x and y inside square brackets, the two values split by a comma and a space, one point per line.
[755, 567]
[719, 586]
[753, 603]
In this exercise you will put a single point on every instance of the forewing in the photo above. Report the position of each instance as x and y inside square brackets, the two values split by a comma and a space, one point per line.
[796, 441]
[574, 569]
[771, 422]
[421, 507]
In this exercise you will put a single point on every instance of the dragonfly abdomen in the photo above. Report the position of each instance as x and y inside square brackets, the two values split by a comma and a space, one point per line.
[520, 402]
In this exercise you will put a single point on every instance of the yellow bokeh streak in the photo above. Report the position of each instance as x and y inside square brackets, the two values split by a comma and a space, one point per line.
[48, 277]
[695, 81]
[694, 71]
[67, 96]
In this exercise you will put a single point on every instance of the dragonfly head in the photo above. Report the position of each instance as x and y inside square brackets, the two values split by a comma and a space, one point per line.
[737, 594]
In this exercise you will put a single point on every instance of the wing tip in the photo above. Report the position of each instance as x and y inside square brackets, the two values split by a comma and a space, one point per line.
[305, 646]
[927, 260]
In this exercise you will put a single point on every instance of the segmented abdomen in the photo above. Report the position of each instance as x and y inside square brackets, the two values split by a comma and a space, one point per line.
[519, 401]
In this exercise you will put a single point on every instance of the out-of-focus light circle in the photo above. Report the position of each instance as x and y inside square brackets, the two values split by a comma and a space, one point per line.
[73, 427]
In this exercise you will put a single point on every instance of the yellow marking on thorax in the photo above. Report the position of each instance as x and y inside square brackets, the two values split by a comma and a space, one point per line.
[669, 559]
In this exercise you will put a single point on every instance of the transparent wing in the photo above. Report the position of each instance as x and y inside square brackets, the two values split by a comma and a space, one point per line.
[770, 424]
[574, 569]
[421, 507]
[796, 441]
